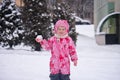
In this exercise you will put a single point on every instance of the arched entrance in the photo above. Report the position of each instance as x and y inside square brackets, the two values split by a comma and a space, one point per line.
[108, 30]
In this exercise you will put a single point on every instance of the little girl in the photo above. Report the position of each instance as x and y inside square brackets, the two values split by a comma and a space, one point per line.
[62, 49]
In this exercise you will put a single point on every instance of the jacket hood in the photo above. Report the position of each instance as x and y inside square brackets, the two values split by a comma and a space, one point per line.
[63, 23]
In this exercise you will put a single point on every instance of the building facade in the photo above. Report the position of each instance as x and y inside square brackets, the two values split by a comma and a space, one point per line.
[107, 21]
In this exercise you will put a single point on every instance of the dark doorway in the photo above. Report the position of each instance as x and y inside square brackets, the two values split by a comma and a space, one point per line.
[114, 38]
[118, 27]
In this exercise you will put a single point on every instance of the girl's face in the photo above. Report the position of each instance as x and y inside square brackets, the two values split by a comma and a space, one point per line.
[61, 31]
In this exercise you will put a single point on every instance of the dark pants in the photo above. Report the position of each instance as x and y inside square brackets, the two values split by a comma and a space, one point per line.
[59, 76]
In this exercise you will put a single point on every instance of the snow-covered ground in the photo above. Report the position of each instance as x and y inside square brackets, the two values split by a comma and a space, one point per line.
[95, 62]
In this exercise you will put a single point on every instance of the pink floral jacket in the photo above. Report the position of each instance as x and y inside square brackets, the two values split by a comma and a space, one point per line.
[62, 50]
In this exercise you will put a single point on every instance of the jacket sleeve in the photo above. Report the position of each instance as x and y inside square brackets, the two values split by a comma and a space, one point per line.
[46, 44]
[72, 50]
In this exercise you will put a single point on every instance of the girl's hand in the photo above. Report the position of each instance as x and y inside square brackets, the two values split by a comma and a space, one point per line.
[75, 63]
[38, 38]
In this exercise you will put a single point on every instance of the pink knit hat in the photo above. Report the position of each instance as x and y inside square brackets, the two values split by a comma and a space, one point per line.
[63, 23]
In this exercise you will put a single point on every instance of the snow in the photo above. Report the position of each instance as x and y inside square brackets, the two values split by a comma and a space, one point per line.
[95, 62]
[86, 30]
[40, 4]
[77, 19]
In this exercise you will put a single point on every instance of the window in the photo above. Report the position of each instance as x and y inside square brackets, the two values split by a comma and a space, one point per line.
[111, 7]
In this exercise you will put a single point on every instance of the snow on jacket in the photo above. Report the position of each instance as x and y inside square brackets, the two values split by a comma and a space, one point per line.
[62, 50]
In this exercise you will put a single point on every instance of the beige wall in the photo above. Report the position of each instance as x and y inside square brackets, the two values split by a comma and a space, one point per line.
[117, 6]
[101, 9]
